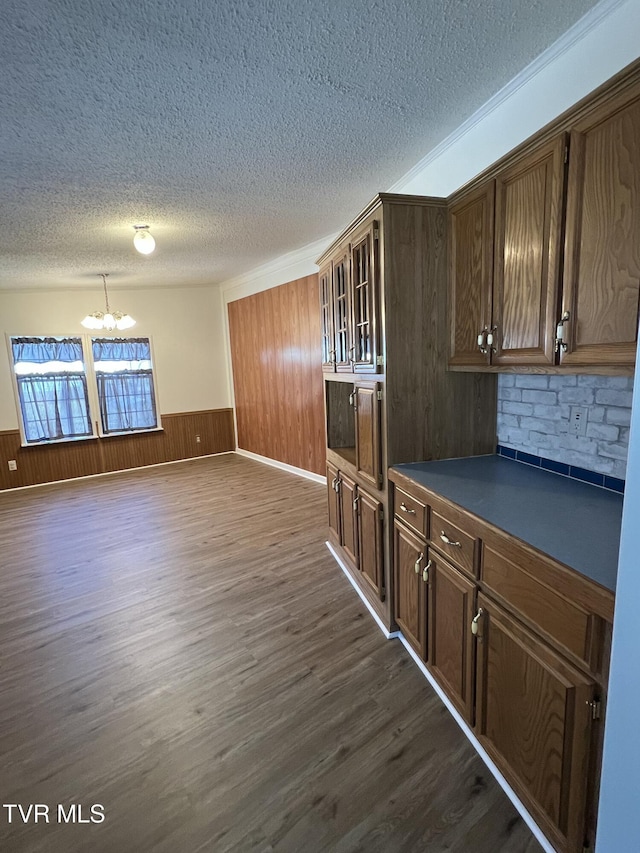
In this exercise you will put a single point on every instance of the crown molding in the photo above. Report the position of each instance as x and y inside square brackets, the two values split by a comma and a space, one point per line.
[575, 34]
[297, 264]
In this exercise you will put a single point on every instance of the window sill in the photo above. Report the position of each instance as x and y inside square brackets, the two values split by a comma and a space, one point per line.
[54, 442]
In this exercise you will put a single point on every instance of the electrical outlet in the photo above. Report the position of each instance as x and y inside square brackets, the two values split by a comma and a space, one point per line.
[13, 465]
[197, 439]
[578, 420]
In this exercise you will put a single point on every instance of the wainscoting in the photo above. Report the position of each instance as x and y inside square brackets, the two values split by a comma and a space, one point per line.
[176, 440]
[277, 374]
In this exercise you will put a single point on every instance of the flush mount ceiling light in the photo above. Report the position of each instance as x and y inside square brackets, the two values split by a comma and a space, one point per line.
[108, 319]
[143, 241]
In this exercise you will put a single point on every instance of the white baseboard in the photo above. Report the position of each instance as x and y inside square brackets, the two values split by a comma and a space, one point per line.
[388, 635]
[511, 794]
[309, 475]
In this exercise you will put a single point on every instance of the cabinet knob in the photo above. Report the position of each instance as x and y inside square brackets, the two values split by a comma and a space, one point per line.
[416, 565]
[448, 541]
[475, 622]
[425, 572]
[406, 509]
[482, 344]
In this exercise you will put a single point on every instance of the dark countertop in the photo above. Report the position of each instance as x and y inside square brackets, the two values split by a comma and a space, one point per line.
[573, 522]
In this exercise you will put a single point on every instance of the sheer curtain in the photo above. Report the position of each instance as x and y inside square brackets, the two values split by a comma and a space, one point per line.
[125, 384]
[52, 388]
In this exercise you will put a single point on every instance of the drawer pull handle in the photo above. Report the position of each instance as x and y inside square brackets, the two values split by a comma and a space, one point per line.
[448, 541]
[474, 622]
[416, 565]
[425, 572]
[406, 509]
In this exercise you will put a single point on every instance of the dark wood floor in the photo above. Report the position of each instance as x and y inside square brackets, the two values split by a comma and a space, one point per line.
[178, 646]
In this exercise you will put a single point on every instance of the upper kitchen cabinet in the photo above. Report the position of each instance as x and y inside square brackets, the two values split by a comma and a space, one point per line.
[528, 245]
[602, 256]
[348, 306]
[545, 246]
[505, 263]
[471, 273]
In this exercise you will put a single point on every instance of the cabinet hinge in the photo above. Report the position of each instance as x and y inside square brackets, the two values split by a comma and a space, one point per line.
[596, 708]
[379, 395]
[587, 849]
[566, 153]
[380, 360]
[381, 513]
[376, 233]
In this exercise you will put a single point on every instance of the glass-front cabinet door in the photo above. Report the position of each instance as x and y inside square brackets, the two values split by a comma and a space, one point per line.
[364, 263]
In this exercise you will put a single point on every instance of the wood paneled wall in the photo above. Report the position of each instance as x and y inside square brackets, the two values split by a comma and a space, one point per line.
[176, 440]
[277, 374]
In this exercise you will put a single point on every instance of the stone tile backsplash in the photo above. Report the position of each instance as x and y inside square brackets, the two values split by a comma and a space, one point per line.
[533, 416]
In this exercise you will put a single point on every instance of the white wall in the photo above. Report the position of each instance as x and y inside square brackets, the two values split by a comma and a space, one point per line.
[186, 326]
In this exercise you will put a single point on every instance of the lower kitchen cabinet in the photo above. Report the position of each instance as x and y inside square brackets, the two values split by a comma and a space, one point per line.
[368, 516]
[534, 717]
[409, 598]
[450, 611]
[355, 525]
[334, 502]
[434, 608]
[518, 644]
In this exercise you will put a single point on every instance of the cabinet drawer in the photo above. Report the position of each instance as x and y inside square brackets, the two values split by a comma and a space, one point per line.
[451, 540]
[411, 511]
[566, 623]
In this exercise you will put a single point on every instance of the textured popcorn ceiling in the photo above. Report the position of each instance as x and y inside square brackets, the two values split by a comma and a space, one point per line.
[237, 129]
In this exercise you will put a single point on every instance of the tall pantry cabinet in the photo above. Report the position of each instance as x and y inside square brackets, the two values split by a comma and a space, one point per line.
[389, 397]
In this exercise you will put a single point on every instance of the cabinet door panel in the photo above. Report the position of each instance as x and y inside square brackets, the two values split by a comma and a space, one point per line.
[326, 320]
[368, 454]
[364, 271]
[334, 501]
[529, 198]
[349, 534]
[533, 719]
[602, 266]
[471, 275]
[369, 517]
[409, 590]
[451, 647]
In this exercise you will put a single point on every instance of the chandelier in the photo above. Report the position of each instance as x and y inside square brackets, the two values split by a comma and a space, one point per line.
[107, 319]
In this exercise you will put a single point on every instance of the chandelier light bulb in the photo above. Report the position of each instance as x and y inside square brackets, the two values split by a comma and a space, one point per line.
[107, 319]
[143, 241]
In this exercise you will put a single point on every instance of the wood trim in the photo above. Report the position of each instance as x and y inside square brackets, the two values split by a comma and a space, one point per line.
[67, 460]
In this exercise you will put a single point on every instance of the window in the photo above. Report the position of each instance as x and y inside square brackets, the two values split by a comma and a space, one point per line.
[65, 385]
[125, 384]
